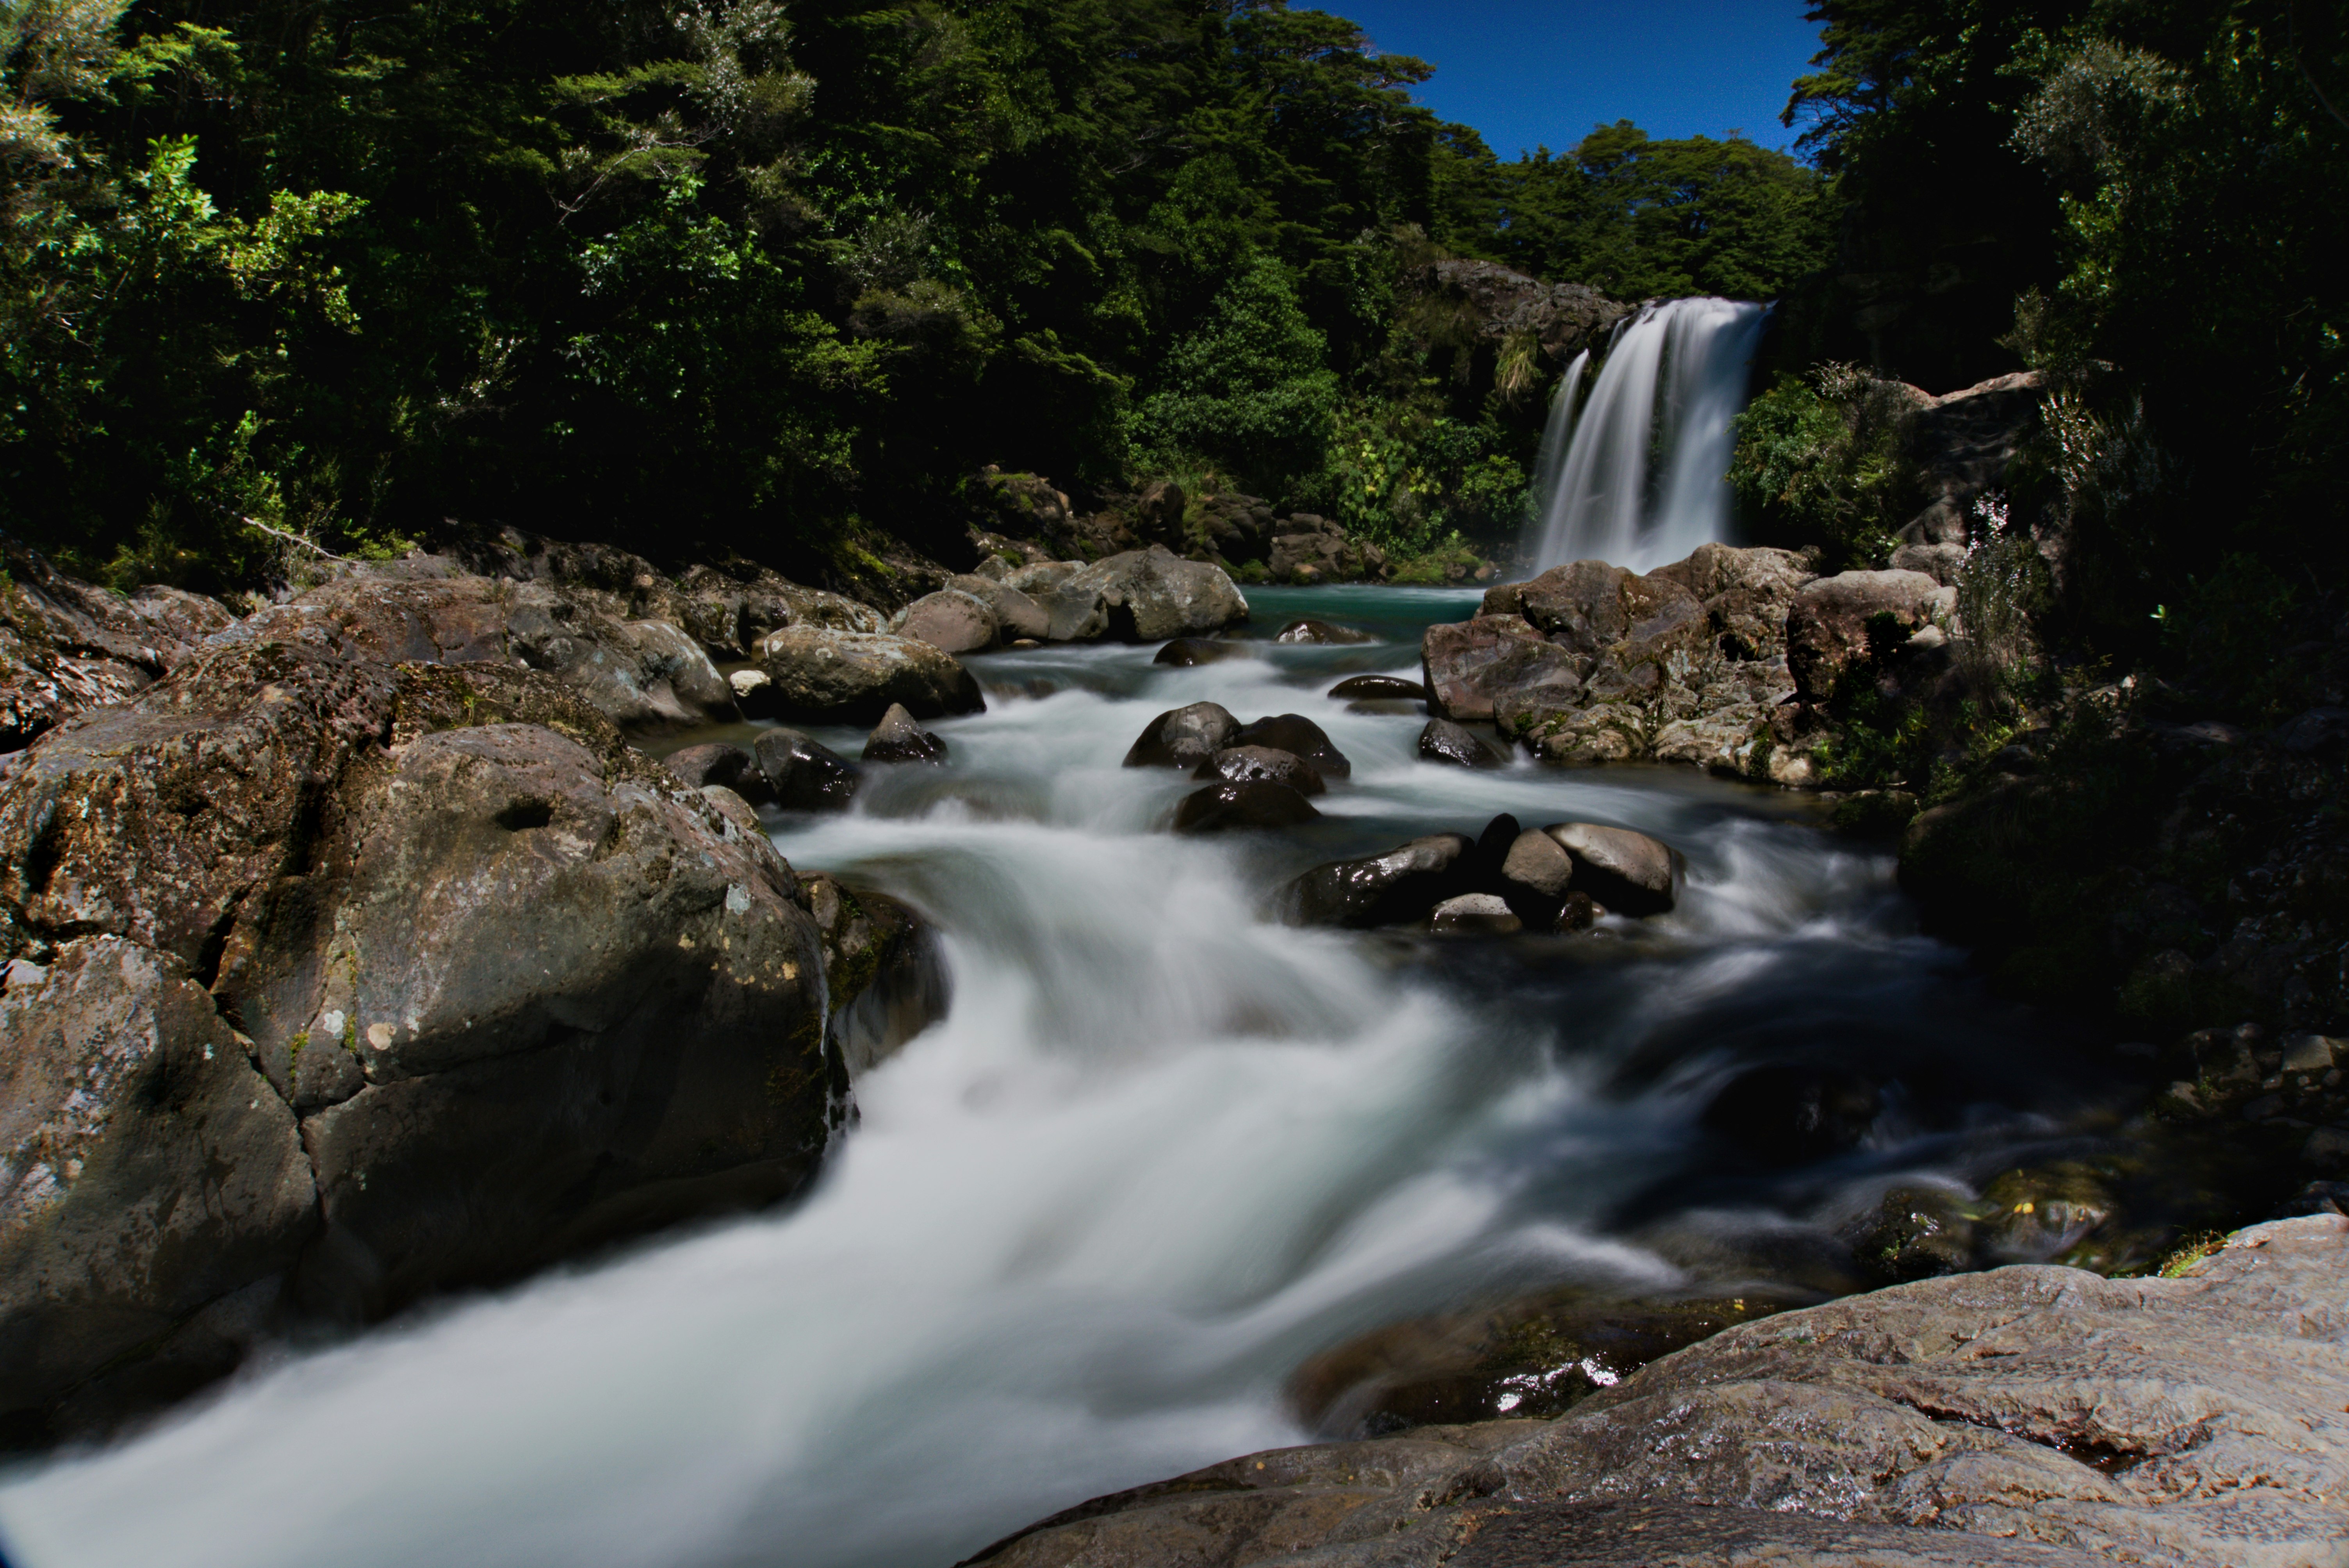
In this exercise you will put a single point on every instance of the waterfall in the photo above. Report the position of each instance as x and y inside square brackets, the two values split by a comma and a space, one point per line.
[1668, 391]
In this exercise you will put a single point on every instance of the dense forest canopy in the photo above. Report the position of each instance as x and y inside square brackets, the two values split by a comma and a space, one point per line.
[762, 275]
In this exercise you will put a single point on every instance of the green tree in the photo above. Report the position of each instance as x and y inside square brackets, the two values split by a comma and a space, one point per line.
[1249, 388]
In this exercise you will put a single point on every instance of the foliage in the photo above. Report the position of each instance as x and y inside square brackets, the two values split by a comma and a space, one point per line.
[1820, 460]
[1250, 386]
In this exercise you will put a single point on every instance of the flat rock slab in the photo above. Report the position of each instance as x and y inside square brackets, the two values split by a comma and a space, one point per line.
[2028, 1415]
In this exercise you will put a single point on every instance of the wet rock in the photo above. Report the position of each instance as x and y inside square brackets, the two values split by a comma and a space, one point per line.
[803, 774]
[1183, 652]
[2038, 1214]
[1390, 889]
[1579, 912]
[67, 646]
[1241, 764]
[854, 678]
[897, 738]
[1299, 736]
[1627, 871]
[1144, 596]
[150, 1170]
[1492, 850]
[1471, 666]
[1827, 625]
[950, 621]
[1914, 1232]
[1787, 1113]
[1445, 741]
[1378, 689]
[1474, 915]
[884, 973]
[718, 763]
[1221, 807]
[1321, 631]
[1017, 615]
[1536, 875]
[1183, 736]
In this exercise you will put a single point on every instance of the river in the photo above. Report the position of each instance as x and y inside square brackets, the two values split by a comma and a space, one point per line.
[1160, 1152]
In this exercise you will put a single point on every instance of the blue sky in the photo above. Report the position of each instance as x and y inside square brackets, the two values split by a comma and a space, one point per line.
[1531, 72]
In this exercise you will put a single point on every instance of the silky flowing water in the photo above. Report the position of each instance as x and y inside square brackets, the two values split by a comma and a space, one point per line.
[1160, 1152]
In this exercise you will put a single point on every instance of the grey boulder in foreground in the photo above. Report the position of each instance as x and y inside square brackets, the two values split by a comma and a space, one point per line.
[2029, 1415]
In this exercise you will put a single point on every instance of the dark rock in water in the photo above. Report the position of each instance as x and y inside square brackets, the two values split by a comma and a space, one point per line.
[1788, 1113]
[1914, 1232]
[1580, 912]
[853, 677]
[1378, 689]
[897, 738]
[1240, 764]
[1183, 736]
[718, 763]
[1445, 741]
[1493, 847]
[1183, 652]
[1299, 736]
[803, 774]
[1320, 632]
[1627, 871]
[1221, 807]
[1392, 889]
[882, 971]
[1474, 915]
[1535, 876]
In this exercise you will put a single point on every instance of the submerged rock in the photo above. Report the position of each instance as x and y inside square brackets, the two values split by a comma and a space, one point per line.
[854, 678]
[1254, 803]
[1183, 736]
[1240, 764]
[803, 774]
[1445, 741]
[897, 738]
[1392, 889]
[1321, 631]
[1183, 652]
[1378, 689]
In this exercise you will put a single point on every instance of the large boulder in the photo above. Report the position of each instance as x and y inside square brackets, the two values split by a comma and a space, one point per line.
[1473, 668]
[1398, 886]
[1144, 596]
[853, 677]
[1016, 615]
[524, 989]
[2029, 1415]
[1828, 625]
[951, 621]
[1183, 736]
[1300, 737]
[1625, 871]
[67, 646]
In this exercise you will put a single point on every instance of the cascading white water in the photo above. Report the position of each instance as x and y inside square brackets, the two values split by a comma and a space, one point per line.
[1670, 388]
[1160, 1153]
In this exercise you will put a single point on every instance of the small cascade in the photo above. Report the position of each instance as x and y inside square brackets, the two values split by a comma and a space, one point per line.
[1635, 473]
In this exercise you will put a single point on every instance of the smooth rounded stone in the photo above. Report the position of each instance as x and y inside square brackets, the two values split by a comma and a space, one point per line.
[803, 774]
[897, 738]
[1145, 596]
[1320, 632]
[1492, 848]
[1017, 615]
[851, 677]
[1536, 874]
[1629, 873]
[1793, 1113]
[1378, 689]
[1183, 652]
[1390, 889]
[952, 622]
[1445, 741]
[1183, 736]
[718, 763]
[1474, 915]
[1580, 911]
[1300, 737]
[1240, 764]
[1257, 803]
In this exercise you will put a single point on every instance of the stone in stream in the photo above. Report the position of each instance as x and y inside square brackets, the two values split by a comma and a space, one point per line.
[951, 621]
[1300, 737]
[886, 979]
[1142, 596]
[2042, 1410]
[1239, 764]
[1445, 741]
[1536, 874]
[1257, 803]
[718, 763]
[1183, 736]
[1016, 617]
[1627, 871]
[851, 677]
[1793, 1113]
[1474, 915]
[1321, 631]
[1378, 689]
[1476, 664]
[1185, 653]
[1580, 912]
[1392, 889]
[803, 774]
[897, 738]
